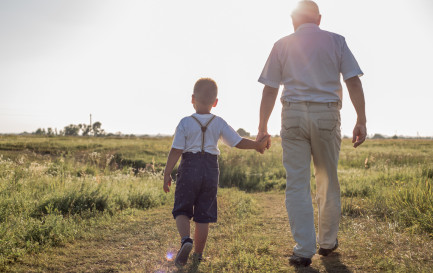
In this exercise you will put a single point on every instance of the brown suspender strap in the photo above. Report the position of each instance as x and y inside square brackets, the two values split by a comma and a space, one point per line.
[203, 130]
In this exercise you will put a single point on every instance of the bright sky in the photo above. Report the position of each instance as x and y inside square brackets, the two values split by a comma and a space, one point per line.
[133, 64]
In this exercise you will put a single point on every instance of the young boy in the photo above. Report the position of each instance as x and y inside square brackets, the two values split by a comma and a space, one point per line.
[196, 140]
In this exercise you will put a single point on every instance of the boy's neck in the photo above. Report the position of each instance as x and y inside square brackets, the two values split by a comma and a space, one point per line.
[202, 110]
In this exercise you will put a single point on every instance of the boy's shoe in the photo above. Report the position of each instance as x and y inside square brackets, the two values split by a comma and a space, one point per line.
[182, 255]
[197, 257]
[299, 261]
[326, 251]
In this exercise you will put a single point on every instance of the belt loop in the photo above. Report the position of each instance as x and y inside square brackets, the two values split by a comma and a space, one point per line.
[285, 102]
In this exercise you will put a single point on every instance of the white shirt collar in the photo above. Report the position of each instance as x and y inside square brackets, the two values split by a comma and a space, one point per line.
[307, 25]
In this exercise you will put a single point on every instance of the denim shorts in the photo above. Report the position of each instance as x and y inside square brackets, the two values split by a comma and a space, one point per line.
[196, 187]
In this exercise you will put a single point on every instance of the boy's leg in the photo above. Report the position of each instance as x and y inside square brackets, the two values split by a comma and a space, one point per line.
[182, 223]
[200, 236]
[183, 227]
[205, 206]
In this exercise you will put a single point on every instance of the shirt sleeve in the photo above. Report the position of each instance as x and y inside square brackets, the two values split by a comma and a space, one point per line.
[229, 136]
[179, 141]
[349, 66]
[271, 74]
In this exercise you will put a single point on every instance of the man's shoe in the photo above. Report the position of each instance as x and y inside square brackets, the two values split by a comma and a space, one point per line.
[299, 261]
[326, 251]
[182, 255]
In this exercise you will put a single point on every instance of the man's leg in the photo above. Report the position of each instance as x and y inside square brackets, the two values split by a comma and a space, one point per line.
[325, 142]
[296, 160]
[200, 236]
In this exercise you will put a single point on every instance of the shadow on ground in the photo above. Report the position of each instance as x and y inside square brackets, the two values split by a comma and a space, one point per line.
[332, 263]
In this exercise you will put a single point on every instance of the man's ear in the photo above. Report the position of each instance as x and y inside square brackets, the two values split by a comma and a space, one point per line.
[215, 103]
[319, 19]
[192, 99]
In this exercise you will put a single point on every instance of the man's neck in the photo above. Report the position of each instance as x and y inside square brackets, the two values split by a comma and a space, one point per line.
[302, 25]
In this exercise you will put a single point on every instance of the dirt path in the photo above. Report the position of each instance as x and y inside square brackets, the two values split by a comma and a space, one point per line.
[141, 242]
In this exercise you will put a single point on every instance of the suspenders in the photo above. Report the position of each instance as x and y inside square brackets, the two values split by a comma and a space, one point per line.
[203, 130]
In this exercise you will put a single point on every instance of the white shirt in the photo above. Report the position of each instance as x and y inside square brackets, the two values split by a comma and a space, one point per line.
[188, 136]
[308, 64]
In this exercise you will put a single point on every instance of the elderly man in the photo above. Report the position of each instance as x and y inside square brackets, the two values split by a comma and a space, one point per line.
[308, 63]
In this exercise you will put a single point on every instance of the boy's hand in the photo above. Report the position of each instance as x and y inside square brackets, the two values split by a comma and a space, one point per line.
[263, 143]
[262, 135]
[167, 183]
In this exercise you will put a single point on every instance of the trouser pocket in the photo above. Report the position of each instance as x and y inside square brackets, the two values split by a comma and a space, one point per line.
[329, 128]
[290, 128]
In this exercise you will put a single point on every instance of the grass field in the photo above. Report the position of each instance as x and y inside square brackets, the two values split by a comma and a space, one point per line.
[57, 194]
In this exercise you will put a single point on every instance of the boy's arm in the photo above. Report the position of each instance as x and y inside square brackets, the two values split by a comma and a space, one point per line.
[259, 146]
[172, 159]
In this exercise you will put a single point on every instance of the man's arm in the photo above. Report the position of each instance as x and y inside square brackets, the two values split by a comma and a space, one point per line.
[269, 97]
[172, 159]
[356, 93]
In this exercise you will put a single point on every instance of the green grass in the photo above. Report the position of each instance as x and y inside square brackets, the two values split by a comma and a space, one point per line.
[52, 189]
[49, 203]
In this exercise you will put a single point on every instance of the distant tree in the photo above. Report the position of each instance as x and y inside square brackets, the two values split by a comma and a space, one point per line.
[97, 131]
[72, 130]
[394, 137]
[50, 131]
[86, 129]
[378, 136]
[40, 132]
[243, 133]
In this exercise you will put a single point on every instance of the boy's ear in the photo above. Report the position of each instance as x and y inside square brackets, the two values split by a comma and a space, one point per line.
[215, 103]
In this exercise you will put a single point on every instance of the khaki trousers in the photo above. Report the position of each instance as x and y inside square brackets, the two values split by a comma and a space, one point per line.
[312, 130]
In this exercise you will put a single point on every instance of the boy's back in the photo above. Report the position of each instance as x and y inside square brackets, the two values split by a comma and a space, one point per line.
[188, 136]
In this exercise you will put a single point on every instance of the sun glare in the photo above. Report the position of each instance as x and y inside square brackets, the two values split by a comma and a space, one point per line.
[169, 256]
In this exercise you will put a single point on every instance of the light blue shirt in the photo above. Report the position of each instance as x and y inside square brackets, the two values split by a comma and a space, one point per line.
[308, 63]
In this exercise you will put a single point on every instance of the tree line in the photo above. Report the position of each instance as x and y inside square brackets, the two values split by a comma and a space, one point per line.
[74, 130]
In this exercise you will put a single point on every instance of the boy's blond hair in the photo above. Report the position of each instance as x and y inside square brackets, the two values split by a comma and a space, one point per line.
[205, 91]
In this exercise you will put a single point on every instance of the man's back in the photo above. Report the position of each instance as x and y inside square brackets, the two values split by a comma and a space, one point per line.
[309, 63]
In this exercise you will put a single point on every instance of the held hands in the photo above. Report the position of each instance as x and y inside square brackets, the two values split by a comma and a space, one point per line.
[264, 141]
[359, 134]
[167, 183]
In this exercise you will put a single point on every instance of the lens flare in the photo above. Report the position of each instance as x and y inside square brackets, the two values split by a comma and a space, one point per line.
[169, 256]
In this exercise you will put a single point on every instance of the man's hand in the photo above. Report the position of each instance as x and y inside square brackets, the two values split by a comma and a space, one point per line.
[354, 86]
[262, 136]
[359, 134]
[167, 183]
[263, 143]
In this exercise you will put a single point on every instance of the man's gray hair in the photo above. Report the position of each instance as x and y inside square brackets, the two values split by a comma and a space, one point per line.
[307, 9]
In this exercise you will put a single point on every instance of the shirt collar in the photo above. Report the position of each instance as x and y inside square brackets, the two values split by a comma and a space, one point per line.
[307, 26]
